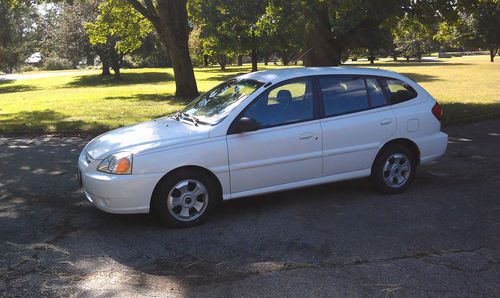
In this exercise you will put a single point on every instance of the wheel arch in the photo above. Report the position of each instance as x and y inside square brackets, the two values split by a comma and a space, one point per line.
[189, 168]
[404, 142]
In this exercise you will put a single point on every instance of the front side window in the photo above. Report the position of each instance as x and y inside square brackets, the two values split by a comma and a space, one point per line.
[399, 91]
[288, 103]
[343, 94]
[217, 103]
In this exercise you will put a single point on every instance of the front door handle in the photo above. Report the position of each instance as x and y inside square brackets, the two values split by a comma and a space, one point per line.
[306, 135]
[386, 121]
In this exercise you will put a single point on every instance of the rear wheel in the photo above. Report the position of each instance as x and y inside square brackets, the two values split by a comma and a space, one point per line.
[184, 199]
[394, 169]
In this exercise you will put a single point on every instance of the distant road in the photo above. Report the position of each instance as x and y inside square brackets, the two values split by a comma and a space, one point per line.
[34, 75]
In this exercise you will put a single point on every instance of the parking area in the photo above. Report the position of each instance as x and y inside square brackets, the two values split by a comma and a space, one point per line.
[441, 237]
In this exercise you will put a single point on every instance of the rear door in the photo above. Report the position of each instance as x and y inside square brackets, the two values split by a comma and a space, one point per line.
[357, 120]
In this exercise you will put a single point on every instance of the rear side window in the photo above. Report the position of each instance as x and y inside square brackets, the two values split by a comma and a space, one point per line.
[342, 95]
[375, 93]
[398, 91]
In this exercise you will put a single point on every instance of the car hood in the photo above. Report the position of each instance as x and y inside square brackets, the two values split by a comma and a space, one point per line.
[145, 136]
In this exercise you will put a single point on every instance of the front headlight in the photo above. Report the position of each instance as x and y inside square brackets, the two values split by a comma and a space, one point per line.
[119, 163]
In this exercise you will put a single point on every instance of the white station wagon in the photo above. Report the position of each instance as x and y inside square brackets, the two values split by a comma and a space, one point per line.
[264, 132]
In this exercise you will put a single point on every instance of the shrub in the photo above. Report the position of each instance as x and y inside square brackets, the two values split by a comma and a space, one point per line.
[28, 67]
[56, 63]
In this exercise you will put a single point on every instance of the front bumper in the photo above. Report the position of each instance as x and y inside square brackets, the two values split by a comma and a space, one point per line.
[122, 194]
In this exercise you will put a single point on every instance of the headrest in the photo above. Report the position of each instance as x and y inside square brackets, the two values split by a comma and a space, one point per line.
[284, 97]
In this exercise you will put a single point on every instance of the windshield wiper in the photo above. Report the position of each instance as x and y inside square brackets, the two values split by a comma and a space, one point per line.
[192, 118]
[177, 115]
[182, 115]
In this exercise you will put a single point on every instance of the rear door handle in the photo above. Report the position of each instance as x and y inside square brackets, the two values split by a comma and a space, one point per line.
[386, 121]
[306, 135]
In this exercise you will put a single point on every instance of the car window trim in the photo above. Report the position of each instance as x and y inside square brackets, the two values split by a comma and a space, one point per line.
[316, 115]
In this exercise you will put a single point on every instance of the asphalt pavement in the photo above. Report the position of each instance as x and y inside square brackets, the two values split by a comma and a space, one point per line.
[440, 238]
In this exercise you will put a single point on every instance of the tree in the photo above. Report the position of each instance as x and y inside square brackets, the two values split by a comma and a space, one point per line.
[5, 36]
[66, 37]
[170, 20]
[282, 29]
[448, 36]
[333, 26]
[213, 27]
[412, 38]
[378, 43]
[486, 26]
[230, 26]
[15, 24]
[120, 27]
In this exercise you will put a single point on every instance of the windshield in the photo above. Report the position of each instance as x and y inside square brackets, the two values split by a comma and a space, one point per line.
[217, 103]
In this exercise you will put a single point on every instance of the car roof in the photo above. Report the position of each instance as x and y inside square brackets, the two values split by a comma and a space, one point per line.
[277, 75]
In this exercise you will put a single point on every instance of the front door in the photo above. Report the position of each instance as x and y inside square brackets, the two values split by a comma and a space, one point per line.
[287, 146]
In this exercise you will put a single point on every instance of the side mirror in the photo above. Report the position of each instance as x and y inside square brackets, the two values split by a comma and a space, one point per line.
[245, 124]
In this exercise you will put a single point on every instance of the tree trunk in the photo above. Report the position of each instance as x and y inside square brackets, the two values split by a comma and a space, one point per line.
[371, 58]
[116, 70]
[285, 59]
[105, 65]
[173, 29]
[222, 60]
[493, 53]
[240, 60]
[90, 60]
[116, 61]
[105, 69]
[266, 59]
[407, 59]
[205, 60]
[254, 56]
[321, 47]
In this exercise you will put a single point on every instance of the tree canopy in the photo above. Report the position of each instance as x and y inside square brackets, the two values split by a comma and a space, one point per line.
[486, 26]
[317, 32]
[120, 27]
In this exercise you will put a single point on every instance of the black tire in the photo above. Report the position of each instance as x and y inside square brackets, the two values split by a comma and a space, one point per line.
[382, 179]
[159, 203]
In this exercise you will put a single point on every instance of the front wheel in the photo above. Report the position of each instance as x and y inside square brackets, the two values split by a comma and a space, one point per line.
[394, 169]
[184, 199]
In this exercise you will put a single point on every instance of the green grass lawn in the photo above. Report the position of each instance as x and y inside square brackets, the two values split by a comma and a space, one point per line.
[467, 87]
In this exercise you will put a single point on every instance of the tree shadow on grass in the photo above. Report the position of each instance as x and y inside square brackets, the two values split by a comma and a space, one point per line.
[223, 77]
[454, 113]
[126, 79]
[405, 64]
[230, 69]
[14, 88]
[420, 78]
[165, 98]
[46, 121]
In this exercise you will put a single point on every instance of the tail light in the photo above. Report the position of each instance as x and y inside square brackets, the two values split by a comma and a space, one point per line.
[437, 111]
